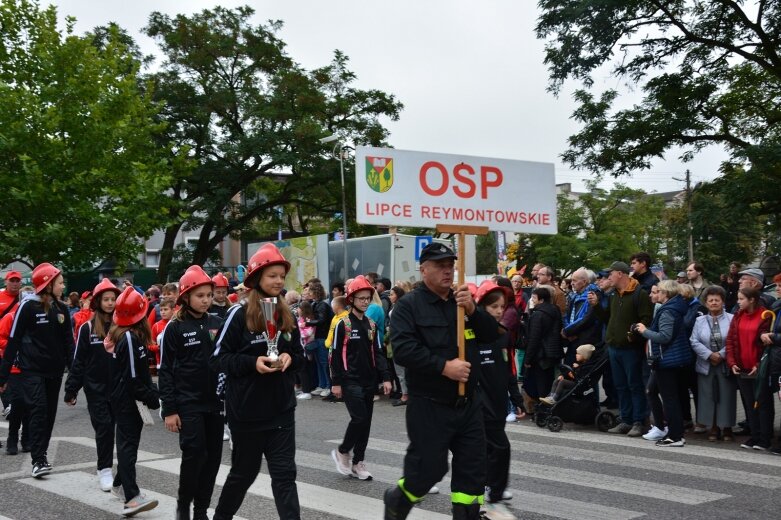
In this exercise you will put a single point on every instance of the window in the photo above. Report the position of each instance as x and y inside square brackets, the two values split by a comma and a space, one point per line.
[152, 258]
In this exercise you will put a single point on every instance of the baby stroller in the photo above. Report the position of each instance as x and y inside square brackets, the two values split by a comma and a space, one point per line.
[580, 404]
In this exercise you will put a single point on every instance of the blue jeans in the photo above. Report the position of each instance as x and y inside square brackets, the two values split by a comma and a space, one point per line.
[626, 365]
[321, 358]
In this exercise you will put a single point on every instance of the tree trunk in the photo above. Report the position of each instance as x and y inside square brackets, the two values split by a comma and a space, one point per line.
[167, 251]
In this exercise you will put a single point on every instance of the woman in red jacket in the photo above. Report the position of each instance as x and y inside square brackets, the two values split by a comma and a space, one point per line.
[744, 349]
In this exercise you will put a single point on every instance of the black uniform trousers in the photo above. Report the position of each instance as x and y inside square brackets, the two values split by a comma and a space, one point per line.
[39, 395]
[498, 458]
[360, 405]
[200, 440]
[102, 418]
[433, 430]
[129, 426]
[19, 416]
[249, 447]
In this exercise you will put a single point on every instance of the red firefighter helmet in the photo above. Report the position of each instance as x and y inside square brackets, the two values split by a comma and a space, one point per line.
[489, 286]
[130, 308]
[43, 274]
[266, 255]
[194, 277]
[103, 286]
[220, 280]
[472, 289]
[360, 283]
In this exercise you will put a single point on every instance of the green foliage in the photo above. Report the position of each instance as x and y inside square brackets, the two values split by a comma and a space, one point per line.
[485, 249]
[80, 171]
[709, 73]
[246, 111]
[596, 229]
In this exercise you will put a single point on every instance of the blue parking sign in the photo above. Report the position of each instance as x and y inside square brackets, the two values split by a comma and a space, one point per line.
[420, 243]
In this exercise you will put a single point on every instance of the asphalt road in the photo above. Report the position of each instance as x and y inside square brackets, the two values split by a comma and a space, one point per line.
[577, 474]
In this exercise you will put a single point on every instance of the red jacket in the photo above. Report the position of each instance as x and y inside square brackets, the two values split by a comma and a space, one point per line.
[744, 348]
[81, 317]
[5, 331]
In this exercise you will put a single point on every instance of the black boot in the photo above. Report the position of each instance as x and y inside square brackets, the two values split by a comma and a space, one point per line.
[200, 514]
[397, 506]
[466, 512]
[182, 510]
[12, 445]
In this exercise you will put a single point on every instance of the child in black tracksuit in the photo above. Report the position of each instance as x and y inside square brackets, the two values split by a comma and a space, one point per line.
[357, 362]
[131, 383]
[188, 390]
[40, 345]
[496, 382]
[259, 398]
[91, 370]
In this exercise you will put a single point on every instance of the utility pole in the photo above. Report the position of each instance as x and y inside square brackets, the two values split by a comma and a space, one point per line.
[688, 181]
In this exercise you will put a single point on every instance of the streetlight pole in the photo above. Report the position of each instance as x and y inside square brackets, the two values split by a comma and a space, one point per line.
[341, 147]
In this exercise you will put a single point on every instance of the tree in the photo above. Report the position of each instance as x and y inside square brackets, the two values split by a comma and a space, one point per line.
[80, 173]
[247, 113]
[485, 249]
[597, 228]
[709, 73]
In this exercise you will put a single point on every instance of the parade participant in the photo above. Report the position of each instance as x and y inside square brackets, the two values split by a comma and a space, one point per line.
[91, 370]
[357, 363]
[130, 384]
[83, 315]
[188, 391]
[497, 380]
[259, 397]
[41, 345]
[9, 296]
[166, 313]
[423, 329]
[220, 304]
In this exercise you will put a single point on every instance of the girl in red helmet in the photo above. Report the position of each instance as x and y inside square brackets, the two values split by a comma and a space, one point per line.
[259, 398]
[91, 370]
[220, 303]
[131, 384]
[44, 324]
[357, 362]
[496, 382]
[188, 391]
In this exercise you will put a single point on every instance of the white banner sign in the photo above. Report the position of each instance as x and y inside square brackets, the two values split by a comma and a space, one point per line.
[421, 189]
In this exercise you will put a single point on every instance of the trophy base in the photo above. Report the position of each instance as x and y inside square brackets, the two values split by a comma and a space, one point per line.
[274, 362]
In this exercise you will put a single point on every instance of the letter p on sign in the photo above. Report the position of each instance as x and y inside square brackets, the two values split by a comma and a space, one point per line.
[420, 243]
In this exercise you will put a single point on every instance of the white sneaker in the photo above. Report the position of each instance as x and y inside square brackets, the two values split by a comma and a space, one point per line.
[433, 491]
[325, 393]
[106, 479]
[359, 471]
[342, 461]
[316, 391]
[497, 511]
[304, 396]
[511, 417]
[507, 495]
[655, 434]
[7, 411]
[226, 433]
[138, 504]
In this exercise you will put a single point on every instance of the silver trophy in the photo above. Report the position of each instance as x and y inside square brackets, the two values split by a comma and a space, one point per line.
[269, 306]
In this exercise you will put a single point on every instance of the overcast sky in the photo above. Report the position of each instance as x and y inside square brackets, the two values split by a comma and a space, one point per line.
[469, 73]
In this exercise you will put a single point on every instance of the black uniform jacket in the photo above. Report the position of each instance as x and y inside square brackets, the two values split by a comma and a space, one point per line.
[255, 401]
[91, 367]
[423, 335]
[361, 361]
[497, 379]
[40, 343]
[219, 311]
[131, 380]
[187, 383]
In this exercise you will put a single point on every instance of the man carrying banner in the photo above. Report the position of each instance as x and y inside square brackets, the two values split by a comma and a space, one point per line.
[424, 338]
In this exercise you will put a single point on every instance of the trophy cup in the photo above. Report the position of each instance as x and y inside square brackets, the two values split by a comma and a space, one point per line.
[269, 305]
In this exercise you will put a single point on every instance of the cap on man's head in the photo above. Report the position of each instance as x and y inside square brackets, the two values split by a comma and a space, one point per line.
[602, 274]
[436, 251]
[754, 273]
[618, 266]
[10, 275]
[681, 274]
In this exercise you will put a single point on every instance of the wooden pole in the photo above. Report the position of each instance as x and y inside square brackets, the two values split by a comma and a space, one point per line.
[461, 232]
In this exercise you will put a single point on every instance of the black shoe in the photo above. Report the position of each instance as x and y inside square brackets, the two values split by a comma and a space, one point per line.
[399, 402]
[40, 469]
[394, 395]
[12, 448]
[200, 514]
[776, 450]
[466, 512]
[609, 404]
[397, 507]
